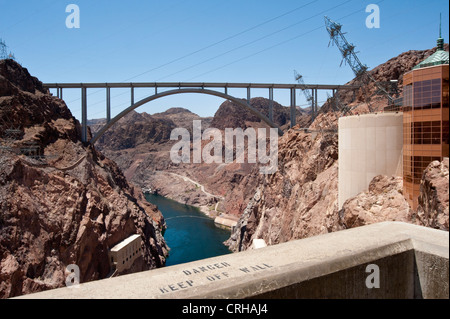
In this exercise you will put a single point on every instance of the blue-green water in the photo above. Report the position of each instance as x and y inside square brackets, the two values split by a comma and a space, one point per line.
[190, 234]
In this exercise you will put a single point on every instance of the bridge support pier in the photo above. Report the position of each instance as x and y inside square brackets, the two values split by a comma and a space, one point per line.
[108, 104]
[317, 103]
[314, 103]
[59, 93]
[293, 110]
[84, 137]
[271, 104]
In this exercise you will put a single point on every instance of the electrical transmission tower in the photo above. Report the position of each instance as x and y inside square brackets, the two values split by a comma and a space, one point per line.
[307, 93]
[336, 104]
[304, 88]
[309, 98]
[4, 51]
[12, 134]
[349, 55]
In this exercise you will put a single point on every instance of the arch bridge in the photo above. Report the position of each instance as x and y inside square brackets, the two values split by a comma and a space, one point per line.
[171, 88]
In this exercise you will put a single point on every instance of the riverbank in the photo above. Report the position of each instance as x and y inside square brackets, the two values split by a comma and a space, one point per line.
[193, 194]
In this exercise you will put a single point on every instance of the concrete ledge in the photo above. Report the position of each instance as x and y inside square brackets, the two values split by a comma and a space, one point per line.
[412, 261]
[226, 221]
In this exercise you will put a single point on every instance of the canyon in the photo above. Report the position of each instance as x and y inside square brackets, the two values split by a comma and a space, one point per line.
[301, 195]
[300, 199]
[74, 202]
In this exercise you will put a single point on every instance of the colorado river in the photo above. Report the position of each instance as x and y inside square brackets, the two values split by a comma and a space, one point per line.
[190, 234]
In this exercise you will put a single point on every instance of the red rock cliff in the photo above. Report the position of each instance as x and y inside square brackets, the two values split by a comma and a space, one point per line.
[70, 207]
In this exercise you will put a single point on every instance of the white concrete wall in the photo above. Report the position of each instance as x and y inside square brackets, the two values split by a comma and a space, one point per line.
[369, 145]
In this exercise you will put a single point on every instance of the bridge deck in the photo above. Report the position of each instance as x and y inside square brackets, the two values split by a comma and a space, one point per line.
[201, 84]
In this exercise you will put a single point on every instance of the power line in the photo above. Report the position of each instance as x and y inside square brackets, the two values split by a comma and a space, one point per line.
[256, 53]
[213, 44]
[27, 18]
[115, 33]
[233, 36]
[254, 41]
[273, 46]
[221, 41]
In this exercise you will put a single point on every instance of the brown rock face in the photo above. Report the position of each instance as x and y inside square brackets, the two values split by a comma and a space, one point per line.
[230, 115]
[382, 201]
[70, 209]
[433, 198]
[299, 200]
[135, 129]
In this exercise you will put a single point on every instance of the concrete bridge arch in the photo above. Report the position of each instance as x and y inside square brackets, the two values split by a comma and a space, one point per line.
[156, 96]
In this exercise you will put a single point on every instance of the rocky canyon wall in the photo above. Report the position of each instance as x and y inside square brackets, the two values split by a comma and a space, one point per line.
[300, 199]
[70, 206]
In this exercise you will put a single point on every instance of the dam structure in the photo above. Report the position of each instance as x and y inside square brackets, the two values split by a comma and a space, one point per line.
[382, 260]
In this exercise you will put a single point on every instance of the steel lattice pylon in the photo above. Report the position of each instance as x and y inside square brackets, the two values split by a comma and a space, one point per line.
[12, 134]
[349, 55]
[4, 51]
[299, 79]
[310, 99]
[305, 90]
[8, 133]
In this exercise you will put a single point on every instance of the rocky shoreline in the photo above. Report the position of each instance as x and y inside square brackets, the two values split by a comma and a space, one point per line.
[194, 195]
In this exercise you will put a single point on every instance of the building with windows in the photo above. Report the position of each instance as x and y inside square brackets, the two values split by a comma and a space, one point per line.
[123, 255]
[425, 119]
[399, 143]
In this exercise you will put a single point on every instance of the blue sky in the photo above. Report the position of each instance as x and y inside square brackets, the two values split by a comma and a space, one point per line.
[206, 41]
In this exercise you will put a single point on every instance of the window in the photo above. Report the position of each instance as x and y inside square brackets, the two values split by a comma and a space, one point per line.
[445, 132]
[427, 132]
[445, 87]
[427, 94]
[420, 164]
